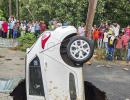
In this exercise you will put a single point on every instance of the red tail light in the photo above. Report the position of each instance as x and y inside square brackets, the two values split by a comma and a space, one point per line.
[44, 39]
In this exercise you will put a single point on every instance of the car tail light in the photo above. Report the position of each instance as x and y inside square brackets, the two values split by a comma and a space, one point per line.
[44, 39]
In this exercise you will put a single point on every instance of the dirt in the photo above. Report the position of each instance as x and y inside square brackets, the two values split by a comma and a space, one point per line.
[2, 56]
[12, 64]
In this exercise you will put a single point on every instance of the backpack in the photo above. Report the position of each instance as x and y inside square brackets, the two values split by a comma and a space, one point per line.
[111, 40]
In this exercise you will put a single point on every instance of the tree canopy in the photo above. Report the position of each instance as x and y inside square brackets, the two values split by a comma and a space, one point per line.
[71, 11]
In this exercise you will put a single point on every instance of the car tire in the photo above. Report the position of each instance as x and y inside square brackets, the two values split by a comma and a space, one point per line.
[80, 49]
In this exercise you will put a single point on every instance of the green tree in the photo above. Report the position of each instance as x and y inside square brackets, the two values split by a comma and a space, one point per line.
[72, 11]
[5, 8]
[1, 15]
[113, 11]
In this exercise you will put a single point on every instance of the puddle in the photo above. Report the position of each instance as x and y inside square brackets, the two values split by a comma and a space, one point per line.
[21, 58]
[2, 56]
[17, 64]
[8, 59]
[13, 48]
[93, 93]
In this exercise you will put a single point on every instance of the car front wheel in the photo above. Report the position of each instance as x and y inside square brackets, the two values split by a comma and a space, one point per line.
[80, 49]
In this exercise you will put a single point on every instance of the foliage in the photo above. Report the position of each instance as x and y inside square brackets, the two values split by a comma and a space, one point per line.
[1, 15]
[113, 11]
[26, 41]
[74, 11]
[4, 8]
[71, 11]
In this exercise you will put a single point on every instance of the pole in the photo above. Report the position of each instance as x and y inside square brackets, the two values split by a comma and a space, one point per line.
[10, 7]
[90, 17]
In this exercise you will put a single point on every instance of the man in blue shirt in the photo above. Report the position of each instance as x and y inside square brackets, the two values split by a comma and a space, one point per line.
[11, 25]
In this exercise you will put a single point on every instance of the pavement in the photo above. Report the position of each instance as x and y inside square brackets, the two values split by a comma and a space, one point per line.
[114, 80]
[12, 64]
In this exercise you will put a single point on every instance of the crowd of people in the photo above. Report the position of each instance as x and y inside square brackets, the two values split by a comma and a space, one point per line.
[115, 40]
[14, 28]
[112, 38]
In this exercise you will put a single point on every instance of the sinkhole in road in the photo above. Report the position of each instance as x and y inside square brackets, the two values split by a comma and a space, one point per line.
[93, 93]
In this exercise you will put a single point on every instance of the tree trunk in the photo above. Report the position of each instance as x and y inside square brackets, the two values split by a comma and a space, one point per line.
[90, 17]
[10, 7]
[17, 9]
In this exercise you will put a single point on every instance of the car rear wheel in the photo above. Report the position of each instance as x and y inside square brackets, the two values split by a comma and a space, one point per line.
[80, 49]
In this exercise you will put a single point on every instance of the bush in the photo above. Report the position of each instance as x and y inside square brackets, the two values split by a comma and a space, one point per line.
[2, 15]
[26, 41]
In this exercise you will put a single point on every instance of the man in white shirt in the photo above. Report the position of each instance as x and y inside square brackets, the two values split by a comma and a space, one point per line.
[116, 29]
[81, 30]
[105, 40]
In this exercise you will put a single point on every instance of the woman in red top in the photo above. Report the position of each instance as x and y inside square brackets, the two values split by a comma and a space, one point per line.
[95, 37]
[4, 29]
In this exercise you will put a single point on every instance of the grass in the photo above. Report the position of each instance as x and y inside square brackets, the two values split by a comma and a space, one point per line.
[99, 56]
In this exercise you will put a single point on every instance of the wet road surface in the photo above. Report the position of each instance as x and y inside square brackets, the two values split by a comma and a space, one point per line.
[112, 79]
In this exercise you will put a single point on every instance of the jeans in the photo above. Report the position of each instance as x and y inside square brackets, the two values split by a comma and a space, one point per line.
[0, 33]
[4, 34]
[128, 56]
[10, 33]
[106, 47]
[110, 53]
[100, 43]
[14, 34]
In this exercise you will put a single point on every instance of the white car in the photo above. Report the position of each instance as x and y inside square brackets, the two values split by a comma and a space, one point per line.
[54, 65]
